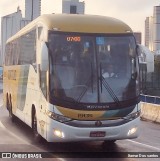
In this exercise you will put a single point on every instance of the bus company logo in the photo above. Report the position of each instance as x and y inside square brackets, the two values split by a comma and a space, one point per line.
[6, 155]
[97, 107]
[98, 123]
[12, 74]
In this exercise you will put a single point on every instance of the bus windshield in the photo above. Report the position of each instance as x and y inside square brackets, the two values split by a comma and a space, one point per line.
[93, 68]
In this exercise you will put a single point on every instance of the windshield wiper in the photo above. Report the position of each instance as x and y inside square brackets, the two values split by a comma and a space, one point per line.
[89, 81]
[107, 87]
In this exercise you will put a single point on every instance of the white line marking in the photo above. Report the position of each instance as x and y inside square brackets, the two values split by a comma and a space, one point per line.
[23, 141]
[1, 100]
[149, 146]
[1, 125]
[61, 159]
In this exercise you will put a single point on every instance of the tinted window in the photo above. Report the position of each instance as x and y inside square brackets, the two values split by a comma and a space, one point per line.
[22, 50]
[27, 50]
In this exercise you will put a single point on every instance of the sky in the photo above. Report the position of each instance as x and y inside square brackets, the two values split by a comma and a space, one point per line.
[132, 12]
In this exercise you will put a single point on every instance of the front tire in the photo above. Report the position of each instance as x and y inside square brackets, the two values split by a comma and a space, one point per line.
[109, 142]
[37, 137]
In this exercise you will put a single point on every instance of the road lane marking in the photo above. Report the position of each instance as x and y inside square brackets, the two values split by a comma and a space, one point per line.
[1, 125]
[149, 146]
[1, 100]
[61, 159]
[12, 134]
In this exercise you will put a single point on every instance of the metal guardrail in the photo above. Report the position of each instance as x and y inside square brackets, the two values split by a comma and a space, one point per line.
[150, 99]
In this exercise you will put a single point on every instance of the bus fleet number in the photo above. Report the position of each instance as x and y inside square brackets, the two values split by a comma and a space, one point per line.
[74, 39]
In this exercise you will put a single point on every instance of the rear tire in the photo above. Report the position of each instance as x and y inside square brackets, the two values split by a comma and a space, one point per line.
[9, 107]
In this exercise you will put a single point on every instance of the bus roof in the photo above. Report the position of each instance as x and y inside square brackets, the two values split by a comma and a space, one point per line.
[77, 23]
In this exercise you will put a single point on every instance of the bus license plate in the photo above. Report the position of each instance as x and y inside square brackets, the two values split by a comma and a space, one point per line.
[97, 134]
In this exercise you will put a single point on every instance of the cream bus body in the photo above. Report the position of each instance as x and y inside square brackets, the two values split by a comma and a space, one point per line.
[29, 67]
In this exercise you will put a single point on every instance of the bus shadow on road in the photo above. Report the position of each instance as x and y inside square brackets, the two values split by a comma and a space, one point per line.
[92, 149]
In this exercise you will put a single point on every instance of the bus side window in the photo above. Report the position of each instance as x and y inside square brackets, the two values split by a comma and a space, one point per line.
[15, 52]
[7, 54]
[27, 53]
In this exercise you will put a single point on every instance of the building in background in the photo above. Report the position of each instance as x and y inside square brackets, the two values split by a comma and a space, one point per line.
[73, 7]
[0, 55]
[32, 9]
[152, 30]
[149, 33]
[12, 23]
[156, 28]
[138, 36]
[151, 36]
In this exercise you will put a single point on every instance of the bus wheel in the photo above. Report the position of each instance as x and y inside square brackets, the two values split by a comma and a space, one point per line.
[109, 142]
[9, 107]
[37, 137]
[7, 102]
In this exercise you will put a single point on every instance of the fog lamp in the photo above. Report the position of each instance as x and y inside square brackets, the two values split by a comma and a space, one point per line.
[132, 131]
[58, 133]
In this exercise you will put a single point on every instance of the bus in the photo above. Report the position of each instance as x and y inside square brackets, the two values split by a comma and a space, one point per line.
[1, 73]
[55, 78]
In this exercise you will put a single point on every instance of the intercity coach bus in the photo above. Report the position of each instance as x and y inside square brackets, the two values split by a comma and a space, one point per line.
[55, 78]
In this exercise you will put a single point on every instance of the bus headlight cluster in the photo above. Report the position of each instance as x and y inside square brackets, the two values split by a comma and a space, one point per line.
[132, 116]
[57, 117]
[132, 131]
[58, 133]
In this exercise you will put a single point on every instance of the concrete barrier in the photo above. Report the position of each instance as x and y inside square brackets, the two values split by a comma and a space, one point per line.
[150, 112]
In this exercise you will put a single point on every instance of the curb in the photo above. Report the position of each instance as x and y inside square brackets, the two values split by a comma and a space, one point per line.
[150, 112]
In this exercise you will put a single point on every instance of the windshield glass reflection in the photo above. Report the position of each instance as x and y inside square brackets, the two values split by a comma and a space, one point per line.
[118, 64]
[72, 66]
[93, 69]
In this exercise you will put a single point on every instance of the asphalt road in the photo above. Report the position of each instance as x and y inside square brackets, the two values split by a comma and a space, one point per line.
[1, 86]
[17, 137]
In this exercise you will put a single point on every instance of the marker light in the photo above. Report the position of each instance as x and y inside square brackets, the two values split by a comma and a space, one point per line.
[57, 117]
[132, 116]
[132, 131]
[58, 133]
[128, 31]
[55, 29]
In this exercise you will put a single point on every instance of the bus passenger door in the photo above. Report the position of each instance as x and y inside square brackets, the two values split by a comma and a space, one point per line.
[42, 57]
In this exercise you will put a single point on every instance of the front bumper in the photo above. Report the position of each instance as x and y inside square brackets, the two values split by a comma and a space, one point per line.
[71, 134]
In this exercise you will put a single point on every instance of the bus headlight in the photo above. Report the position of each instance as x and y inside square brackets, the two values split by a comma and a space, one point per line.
[57, 117]
[132, 116]
[132, 131]
[58, 133]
